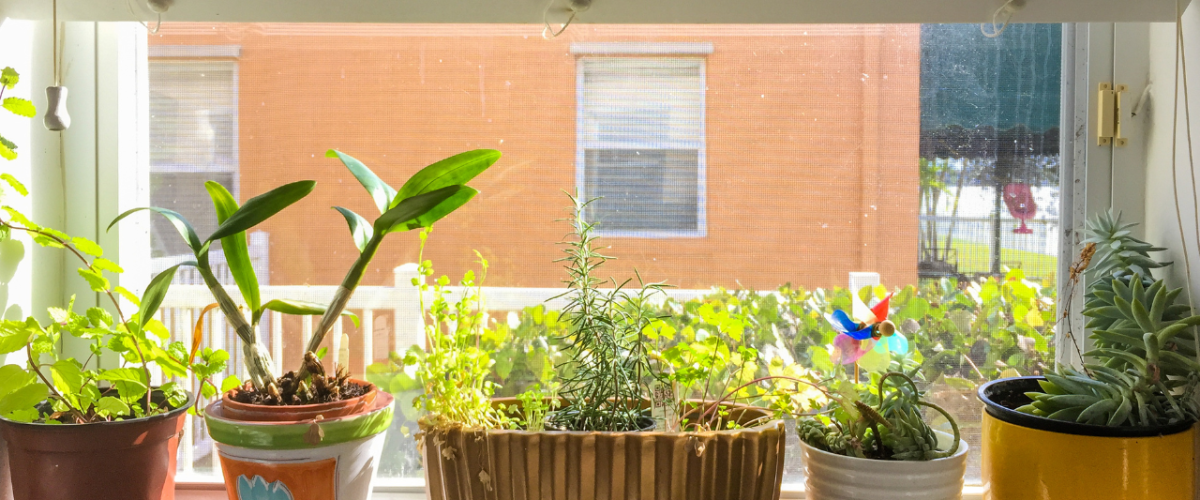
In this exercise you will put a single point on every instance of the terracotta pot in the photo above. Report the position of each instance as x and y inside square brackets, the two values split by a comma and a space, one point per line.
[745, 464]
[295, 413]
[333, 458]
[829, 476]
[127, 460]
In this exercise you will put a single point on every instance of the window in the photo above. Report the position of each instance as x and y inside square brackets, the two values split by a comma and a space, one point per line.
[641, 144]
[754, 168]
[193, 139]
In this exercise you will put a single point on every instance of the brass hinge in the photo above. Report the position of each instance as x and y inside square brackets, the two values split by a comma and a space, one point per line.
[1108, 121]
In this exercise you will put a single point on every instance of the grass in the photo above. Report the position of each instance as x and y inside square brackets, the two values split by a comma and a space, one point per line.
[977, 258]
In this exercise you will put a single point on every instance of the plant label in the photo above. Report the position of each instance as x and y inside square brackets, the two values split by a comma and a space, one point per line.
[664, 408]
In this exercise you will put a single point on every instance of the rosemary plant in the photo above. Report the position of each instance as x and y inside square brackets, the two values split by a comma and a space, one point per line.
[604, 346]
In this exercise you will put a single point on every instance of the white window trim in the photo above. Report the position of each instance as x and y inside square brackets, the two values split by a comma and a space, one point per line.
[115, 80]
[702, 152]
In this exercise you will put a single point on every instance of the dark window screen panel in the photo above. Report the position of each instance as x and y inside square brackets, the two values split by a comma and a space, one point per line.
[642, 190]
[641, 126]
[184, 193]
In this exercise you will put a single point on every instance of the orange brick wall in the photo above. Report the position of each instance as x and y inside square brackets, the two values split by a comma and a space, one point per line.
[811, 144]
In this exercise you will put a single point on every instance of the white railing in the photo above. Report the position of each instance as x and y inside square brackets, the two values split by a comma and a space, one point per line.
[372, 304]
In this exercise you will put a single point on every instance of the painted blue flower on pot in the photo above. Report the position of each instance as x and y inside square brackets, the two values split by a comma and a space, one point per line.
[259, 489]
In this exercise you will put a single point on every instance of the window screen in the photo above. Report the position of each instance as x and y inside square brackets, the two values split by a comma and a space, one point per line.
[641, 136]
[193, 139]
[765, 178]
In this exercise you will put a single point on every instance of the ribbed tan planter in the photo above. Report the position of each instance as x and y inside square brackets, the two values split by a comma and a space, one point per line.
[473, 464]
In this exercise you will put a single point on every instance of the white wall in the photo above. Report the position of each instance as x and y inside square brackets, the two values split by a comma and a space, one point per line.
[1161, 224]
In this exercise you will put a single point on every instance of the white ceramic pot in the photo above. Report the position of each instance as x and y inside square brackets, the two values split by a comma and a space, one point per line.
[838, 477]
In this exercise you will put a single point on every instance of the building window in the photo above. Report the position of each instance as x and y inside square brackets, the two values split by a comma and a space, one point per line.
[193, 138]
[641, 144]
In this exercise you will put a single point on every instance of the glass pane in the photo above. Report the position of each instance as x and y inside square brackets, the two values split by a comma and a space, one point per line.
[759, 170]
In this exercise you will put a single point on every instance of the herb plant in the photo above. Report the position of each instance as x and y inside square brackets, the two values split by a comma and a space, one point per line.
[604, 346]
[453, 371]
[1143, 370]
[884, 424]
[79, 392]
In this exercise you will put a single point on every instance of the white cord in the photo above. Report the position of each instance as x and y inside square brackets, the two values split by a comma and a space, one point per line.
[1179, 58]
[1007, 10]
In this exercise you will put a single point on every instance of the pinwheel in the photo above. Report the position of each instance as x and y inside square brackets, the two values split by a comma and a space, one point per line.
[870, 329]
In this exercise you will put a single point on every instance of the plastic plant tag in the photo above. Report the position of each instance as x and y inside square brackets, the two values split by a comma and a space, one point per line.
[663, 409]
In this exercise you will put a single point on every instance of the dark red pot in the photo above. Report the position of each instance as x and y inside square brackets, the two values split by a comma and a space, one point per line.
[126, 460]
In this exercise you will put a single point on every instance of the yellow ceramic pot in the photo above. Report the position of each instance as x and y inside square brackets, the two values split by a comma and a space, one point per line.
[1026, 457]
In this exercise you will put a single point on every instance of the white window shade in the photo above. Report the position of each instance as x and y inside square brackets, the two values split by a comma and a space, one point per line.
[611, 11]
[641, 144]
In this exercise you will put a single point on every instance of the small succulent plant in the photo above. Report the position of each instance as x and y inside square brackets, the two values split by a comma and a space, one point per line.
[885, 424]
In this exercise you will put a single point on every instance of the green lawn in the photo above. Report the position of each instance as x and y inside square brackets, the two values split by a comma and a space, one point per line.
[977, 258]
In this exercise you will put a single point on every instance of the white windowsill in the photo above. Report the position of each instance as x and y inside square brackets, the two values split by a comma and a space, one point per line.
[414, 489]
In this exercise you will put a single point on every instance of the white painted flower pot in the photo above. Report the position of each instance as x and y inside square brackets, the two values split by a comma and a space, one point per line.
[837, 477]
[293, 461]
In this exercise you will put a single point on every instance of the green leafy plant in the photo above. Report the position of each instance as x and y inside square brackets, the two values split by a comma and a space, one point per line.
[884, 424]
[1143, 370]
[15, 105]
[453, 371]
[234, 221]
[429, 195]
[80, 392]
[609, 360]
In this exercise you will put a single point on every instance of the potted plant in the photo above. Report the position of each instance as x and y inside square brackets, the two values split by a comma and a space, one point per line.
[876, 444]
[1122, 425]
[613, 428]
[8, 150]
[312, 430]
[96, 428]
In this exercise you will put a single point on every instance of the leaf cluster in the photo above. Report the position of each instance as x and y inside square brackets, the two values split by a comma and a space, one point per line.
[53, 389]
[15, 105]
[884, 422]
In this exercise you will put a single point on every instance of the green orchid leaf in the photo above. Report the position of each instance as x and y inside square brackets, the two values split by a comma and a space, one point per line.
[181, 224]
[441, 210]
[262, 207]
[237, 254]
[455, 170]
[360, 228]
[20, 107]
[156, 291]
[397, 218]
[303, 308]
[380, 192]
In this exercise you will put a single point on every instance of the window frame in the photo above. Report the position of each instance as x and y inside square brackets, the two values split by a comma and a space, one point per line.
[648, 51]
[103, 168]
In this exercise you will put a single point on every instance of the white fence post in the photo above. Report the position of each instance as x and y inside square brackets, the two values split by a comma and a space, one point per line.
[409, 319]
[860, 280]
